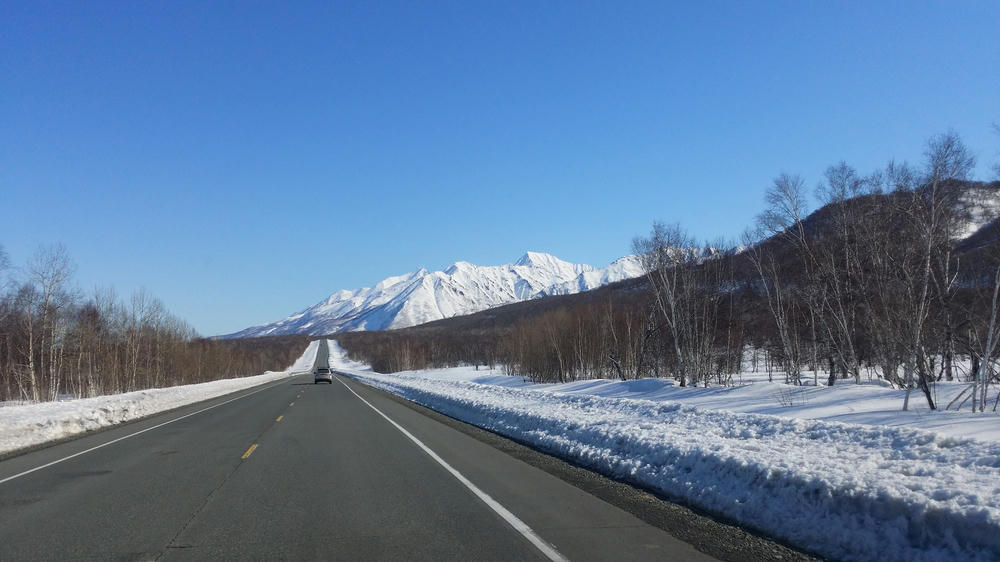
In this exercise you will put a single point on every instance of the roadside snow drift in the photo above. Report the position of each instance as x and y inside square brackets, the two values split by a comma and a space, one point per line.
[30, 424]
[847, 491]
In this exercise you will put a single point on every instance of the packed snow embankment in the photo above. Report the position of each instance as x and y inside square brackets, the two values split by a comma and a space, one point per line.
[846, 491]
[25, 425]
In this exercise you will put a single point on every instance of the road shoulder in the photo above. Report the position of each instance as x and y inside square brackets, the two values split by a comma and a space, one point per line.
[708, 534]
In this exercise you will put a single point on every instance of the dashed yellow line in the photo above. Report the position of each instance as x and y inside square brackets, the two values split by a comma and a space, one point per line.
[279, 418]
[292, 404]
[249, 451]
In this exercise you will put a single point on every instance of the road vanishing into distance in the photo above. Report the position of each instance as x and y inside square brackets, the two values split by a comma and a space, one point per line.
[295, 470]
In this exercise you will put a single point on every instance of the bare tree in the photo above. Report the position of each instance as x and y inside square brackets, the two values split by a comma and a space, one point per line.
[553, 335]
[786, 208]
[886, 248]
[930, 210]
[26, 372]
[50, 271]
[948, 159]
[782, 225]
[988, 350]
[838, 265]
[686, 285]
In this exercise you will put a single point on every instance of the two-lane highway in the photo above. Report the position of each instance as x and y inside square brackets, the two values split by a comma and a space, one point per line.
[298, 470]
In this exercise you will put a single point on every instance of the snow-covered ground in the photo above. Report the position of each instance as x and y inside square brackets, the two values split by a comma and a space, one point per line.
[24, 425]
[837, 470]
[841, 471]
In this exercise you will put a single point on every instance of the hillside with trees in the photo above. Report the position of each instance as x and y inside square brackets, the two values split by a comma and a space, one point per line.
[896, 276]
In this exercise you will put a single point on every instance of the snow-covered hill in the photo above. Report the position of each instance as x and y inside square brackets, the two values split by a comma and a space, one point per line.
[462, 288]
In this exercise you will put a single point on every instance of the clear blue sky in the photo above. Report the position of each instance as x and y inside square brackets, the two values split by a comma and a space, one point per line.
[243, 160]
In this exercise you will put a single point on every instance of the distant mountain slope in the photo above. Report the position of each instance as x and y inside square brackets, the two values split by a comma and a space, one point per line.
[462, 288]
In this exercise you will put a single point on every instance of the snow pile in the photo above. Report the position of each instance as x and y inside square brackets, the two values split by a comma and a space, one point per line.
[868, 403]
[30, 424]
[847, 491]
[306, 360]
[462, 288]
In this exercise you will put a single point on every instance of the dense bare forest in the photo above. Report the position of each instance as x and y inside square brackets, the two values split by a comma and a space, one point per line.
[55, 343]
[882, 281]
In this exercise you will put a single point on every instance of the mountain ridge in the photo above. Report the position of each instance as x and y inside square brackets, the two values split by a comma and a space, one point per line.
[462, 288]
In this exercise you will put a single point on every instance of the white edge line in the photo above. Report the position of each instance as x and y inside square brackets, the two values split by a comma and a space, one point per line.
[37, 468]
[547, 549]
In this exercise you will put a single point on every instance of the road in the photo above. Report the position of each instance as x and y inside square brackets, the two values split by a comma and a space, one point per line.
[293, 470]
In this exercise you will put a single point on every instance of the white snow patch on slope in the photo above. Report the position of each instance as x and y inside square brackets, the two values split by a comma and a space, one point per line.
[846, 490]
[981, 206]
[25, 425]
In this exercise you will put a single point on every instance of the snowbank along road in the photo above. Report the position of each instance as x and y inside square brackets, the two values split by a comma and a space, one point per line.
[291, 469]
[845, 491]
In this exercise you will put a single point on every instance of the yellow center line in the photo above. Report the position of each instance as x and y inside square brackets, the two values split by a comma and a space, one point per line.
[249, 451]
[292, 404]
[279, 418]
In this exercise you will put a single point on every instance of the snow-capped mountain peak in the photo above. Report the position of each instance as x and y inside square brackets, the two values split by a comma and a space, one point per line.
[462, 288]
[545, 261]
[458, 266]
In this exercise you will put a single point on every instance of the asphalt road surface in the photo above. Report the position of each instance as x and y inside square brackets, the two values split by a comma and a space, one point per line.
[294, 470]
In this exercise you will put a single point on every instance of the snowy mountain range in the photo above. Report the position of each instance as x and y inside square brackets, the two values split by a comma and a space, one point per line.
[462, 288]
